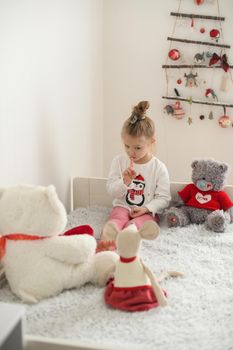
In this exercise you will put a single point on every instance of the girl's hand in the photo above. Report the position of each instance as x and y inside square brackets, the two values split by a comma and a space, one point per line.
[129, 174]
[138, 211]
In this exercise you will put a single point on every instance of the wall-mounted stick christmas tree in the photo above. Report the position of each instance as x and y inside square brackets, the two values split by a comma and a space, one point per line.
[212, 58]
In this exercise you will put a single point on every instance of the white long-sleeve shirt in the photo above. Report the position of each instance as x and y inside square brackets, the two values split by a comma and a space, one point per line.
[150, 188]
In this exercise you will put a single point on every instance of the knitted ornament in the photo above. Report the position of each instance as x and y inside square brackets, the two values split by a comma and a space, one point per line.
[178, 111]
[174, 54]
[224, 121]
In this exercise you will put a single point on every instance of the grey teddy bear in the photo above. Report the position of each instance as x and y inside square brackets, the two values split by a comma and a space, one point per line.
[203, 201]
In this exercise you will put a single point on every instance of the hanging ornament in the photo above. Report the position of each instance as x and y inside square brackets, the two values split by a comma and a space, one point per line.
[211, 117]
[175, 110]
[225, 82]
[210, 93]
[190, 101]
[222, 59]
[202, 30]
[199, 57]
[169, 109]
[190, 120]
[209, 54]
[224, 121]
[176, 92]
[198, 2]
[191, 80]
[179, 81]
[174, 54]
[179, 113]
[215, 34]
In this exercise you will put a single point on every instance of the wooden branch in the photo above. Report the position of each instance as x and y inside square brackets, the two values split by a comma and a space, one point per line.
[192, 15]
[198, 42]
[190, 66]
[198, 101]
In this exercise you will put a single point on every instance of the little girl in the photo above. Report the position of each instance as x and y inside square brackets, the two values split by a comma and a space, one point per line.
[138, 181]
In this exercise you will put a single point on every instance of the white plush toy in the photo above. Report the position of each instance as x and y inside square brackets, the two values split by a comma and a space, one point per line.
[134, 287]
[38, 260]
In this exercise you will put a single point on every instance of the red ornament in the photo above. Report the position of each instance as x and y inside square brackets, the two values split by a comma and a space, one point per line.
[179, 81]
[198, 2]
[214, 33]
[224, 121]
[202, 30]
[174, 54]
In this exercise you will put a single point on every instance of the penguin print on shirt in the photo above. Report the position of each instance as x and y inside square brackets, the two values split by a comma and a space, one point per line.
[135, 193]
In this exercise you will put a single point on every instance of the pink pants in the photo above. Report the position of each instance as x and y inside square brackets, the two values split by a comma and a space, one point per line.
[120, 216]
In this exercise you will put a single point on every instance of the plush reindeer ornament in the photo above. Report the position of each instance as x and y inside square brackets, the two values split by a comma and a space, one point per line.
[134, 287]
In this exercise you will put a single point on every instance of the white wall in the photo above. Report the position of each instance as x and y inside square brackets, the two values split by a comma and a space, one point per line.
[50, 91]
[135, 33]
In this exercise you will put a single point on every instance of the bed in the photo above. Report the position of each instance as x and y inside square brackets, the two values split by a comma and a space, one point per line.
[199, 314]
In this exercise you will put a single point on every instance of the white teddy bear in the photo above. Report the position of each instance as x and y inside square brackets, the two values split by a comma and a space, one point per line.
[38, 261]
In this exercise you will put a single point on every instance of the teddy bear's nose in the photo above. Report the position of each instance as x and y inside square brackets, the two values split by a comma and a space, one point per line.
[203, 178]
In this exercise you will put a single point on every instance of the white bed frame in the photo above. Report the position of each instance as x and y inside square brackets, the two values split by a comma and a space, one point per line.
[86, 192]
[92, 191]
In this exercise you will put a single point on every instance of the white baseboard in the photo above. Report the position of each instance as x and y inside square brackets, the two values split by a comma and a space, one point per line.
[43, 343]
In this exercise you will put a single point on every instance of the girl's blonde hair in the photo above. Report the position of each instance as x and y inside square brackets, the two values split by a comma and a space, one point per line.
[138, 124]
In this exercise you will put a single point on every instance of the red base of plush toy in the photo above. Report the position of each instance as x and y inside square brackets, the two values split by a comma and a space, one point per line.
[139, 298]
[80, 230]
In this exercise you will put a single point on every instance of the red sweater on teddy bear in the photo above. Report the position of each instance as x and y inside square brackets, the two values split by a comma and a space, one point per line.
[211, 200]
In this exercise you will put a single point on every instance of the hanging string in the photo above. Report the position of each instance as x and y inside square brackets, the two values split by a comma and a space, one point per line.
[173, 31]
[221, 31]
[174, 28]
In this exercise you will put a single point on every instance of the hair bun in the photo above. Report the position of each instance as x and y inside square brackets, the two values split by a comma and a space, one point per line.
[140, 108]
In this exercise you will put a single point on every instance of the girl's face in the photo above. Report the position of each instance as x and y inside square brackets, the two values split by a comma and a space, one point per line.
[138, 148]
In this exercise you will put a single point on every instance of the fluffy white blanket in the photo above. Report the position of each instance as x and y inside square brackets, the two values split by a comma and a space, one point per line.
[199, 314]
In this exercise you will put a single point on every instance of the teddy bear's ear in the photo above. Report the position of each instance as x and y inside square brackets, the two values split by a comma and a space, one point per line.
[194, 164]
[149, 230]
[224, 167]
[54, 201]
